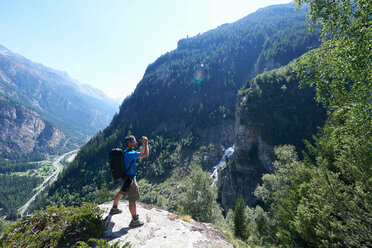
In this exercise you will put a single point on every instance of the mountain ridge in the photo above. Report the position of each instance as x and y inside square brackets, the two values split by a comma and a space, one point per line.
[77, 109]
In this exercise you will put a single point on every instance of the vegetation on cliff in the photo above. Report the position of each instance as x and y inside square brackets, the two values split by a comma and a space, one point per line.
[325, 200]
[282, 112]
[55, 227]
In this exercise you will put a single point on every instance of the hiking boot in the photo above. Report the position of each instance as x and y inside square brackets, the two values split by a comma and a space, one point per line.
[115, 211]
[135, 223]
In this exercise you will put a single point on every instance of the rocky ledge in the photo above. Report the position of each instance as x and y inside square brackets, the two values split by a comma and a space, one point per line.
[161, 229]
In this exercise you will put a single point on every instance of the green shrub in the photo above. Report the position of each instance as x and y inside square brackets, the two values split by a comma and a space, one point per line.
[55, 227]
[101, 243]
[200, 199]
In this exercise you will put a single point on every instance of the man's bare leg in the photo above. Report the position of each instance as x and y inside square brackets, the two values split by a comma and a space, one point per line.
[117, 199]
[114, 209]
[133, 208]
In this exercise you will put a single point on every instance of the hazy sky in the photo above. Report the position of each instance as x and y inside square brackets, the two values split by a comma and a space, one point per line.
[109, 43]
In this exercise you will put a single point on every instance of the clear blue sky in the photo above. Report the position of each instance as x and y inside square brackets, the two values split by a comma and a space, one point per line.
[109, 43]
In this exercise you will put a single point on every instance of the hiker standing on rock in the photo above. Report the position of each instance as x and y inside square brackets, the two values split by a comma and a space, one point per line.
[130, 158]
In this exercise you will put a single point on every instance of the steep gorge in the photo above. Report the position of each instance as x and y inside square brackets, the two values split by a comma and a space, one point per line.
[271, 110]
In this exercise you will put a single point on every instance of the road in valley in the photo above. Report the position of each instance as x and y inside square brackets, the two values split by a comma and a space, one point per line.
[48, 180]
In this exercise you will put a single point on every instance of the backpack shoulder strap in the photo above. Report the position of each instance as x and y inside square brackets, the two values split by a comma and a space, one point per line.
[125, 151]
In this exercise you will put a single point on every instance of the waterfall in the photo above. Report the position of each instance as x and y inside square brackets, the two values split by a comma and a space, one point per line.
[228, 152]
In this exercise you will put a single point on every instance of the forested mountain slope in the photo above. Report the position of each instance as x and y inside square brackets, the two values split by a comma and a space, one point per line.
[186, 101]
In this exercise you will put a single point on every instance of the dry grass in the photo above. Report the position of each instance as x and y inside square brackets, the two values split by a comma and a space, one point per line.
[186, 218]
[173, 216]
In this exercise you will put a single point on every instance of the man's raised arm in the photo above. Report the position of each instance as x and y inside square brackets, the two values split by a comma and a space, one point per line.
[145, 148]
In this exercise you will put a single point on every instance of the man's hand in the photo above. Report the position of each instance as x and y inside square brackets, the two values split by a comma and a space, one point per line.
[144, 140]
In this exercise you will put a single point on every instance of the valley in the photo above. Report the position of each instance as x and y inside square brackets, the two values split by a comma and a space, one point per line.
[58, 164]
[43, 112]
[26, 180]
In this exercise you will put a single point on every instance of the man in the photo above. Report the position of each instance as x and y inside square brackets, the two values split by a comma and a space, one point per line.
[130, 158]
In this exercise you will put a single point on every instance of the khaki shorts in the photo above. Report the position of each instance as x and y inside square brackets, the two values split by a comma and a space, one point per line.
[133, 192]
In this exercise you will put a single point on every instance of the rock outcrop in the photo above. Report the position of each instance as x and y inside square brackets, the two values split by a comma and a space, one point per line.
[161, 229]
[252, 158]
[22, 129]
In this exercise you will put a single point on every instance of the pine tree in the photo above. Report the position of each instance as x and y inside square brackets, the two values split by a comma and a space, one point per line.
[240, 219]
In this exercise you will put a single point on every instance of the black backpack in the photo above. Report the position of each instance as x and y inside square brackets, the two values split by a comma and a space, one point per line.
[117, 163]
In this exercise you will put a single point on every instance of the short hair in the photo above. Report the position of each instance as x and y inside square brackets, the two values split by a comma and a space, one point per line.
[126, 139]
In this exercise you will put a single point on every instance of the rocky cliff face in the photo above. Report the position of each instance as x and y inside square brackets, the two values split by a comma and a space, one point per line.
[221, 136]
[22, 129]
[252, 158]
[271, 110]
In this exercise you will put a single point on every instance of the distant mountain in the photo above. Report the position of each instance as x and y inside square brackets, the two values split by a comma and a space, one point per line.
[186, 104]
[65, 106]
[118, 100]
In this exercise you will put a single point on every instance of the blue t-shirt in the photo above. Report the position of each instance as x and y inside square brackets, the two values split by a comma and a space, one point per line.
[128, 158]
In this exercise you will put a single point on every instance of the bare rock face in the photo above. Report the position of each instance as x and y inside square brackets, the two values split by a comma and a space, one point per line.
[222, 136]
[21, 129]
[251, 159]
[161, 229]
[248, 143]
[56, 137]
